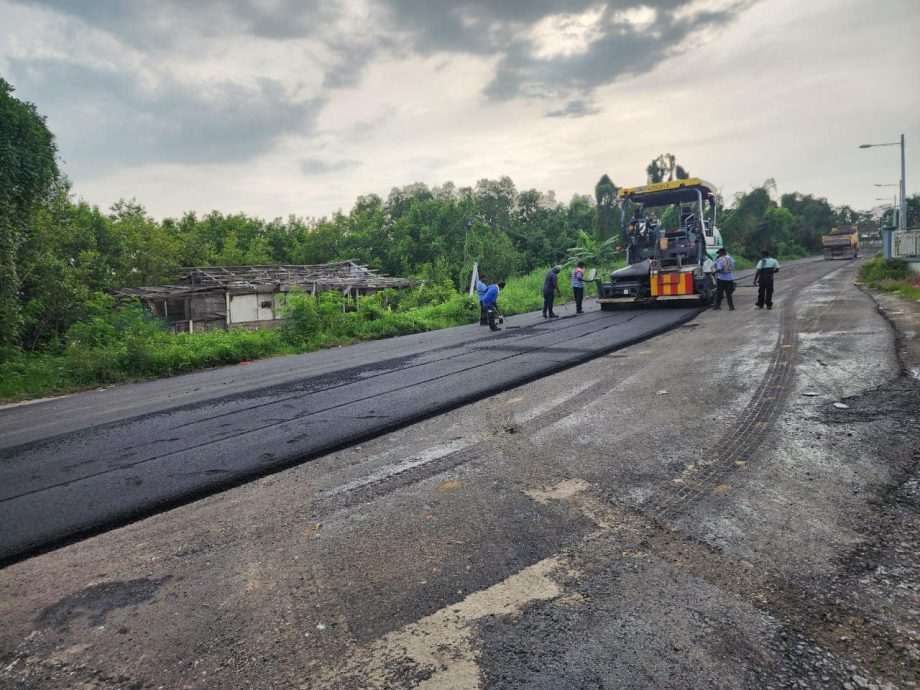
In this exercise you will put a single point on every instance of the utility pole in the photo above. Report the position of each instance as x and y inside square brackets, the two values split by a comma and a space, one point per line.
[902, 220]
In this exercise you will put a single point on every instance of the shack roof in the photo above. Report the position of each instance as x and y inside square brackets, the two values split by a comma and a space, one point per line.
[344, 275]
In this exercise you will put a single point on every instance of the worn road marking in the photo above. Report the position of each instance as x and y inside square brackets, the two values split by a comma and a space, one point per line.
[543, 408]
[387, 471]
[439, 651]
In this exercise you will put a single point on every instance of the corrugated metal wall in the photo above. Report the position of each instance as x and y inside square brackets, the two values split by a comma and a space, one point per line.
[907, 244]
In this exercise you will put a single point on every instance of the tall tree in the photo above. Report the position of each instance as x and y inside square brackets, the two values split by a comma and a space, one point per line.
[740, 224]
[28, 170]
[665, 168]
[495, 201]
[813, 217]
[607, 222]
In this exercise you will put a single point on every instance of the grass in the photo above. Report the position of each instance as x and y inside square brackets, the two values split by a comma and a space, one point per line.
[147, 351]
[891, 275]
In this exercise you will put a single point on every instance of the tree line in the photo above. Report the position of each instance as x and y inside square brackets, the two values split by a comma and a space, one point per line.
[58, 254]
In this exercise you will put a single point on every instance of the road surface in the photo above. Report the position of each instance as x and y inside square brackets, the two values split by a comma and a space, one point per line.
[81, 464]
[732, 504]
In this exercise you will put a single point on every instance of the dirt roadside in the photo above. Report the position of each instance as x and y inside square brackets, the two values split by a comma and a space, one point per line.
[731, 505]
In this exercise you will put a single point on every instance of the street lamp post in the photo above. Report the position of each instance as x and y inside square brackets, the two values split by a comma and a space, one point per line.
[894, 206]
[902, 221]
[895, 210]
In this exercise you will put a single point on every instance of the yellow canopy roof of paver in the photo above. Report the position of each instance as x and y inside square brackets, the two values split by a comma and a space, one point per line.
[675, 191]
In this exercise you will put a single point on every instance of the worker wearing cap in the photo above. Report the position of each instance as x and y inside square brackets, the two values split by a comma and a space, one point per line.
[578, 285]
[763, 279]
[550, 290]
[725, 278]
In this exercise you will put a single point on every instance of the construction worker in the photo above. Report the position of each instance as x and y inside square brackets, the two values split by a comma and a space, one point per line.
[763, 279]
[481, 288]
[578, 285]
[725, 278]
[550, 290]
[489, 302]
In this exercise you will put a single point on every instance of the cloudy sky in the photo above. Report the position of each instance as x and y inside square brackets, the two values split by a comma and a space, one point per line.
[298, 106]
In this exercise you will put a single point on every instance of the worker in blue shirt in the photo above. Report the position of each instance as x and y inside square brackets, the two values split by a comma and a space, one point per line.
[725, 278]
[763, 279]
[481, 288]
[489, 302]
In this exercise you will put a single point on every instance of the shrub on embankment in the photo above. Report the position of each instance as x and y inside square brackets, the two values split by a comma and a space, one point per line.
[890, 275]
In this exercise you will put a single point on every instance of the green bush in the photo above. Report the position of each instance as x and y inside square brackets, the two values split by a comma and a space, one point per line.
[878, 269]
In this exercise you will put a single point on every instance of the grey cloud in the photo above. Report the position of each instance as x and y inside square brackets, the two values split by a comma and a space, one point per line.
[576, 108]
[153, 24]
[486, 27]
[621, 50]
[407, 27]
[105, 119]
[316, 166]
[477, 26]
[352, 55]
[159, 27]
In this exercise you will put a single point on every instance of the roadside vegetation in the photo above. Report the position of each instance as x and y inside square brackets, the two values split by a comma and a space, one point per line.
[891, 275]
[115, 345]
[61, 257]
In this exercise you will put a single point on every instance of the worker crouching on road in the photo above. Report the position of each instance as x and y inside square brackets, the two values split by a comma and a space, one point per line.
[763, 279]
[578, 285]
[725, 279]
[481, 288]
[490, 303]
[550, 290]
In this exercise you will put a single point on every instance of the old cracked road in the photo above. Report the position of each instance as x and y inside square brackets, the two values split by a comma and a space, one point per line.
[731, 504]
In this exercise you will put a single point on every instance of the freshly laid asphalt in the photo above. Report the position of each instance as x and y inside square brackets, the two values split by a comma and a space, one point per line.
[91, 478]
[78, 465]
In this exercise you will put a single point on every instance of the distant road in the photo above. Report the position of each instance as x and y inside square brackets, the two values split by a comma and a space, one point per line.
[77, 465]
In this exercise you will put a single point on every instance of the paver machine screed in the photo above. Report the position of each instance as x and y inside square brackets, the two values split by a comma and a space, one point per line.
[665, 264]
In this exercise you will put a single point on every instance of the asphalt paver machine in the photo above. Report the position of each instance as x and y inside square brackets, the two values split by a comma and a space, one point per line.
[665, 264]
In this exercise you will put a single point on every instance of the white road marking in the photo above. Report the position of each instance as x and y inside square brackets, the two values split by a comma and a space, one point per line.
[545, 407]
[387, 471]
[444, 643]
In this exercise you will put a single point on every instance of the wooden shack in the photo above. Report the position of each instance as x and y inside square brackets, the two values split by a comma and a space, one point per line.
[250, 296]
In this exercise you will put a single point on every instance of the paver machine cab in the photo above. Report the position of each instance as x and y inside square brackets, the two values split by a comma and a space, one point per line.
[664, 264]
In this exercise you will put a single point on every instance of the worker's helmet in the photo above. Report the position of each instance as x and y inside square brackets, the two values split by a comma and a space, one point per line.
[556, 269]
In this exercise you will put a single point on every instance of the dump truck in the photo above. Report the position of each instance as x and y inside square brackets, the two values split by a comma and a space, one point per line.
[841, 243]
[664, 264]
